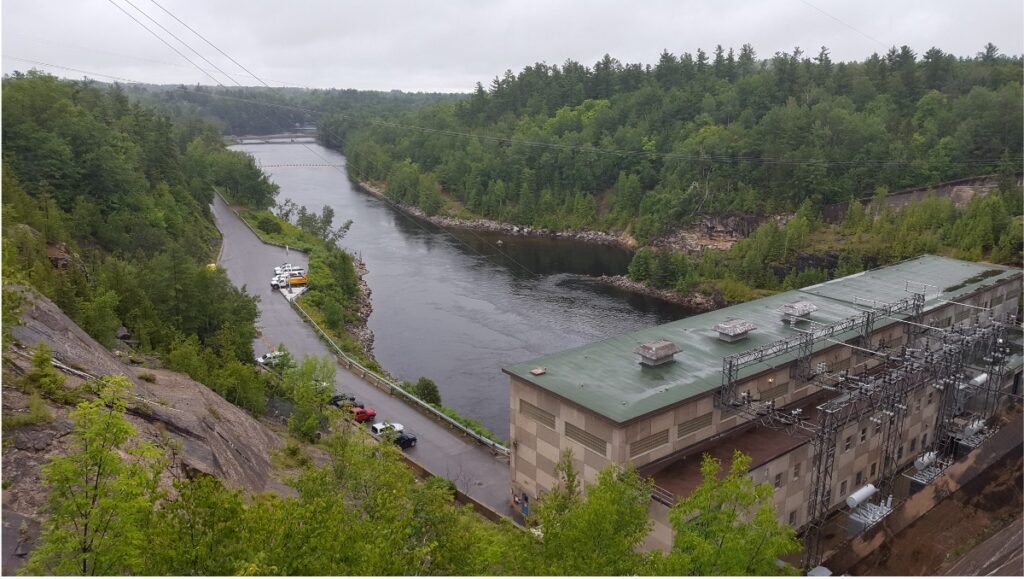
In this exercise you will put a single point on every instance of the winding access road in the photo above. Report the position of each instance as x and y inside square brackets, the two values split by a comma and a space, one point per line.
[250, 263]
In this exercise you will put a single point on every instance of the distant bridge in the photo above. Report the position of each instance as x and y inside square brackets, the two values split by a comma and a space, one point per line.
[304, 137]
[276, 165]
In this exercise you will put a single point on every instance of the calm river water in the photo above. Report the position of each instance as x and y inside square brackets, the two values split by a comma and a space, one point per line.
[456, 306]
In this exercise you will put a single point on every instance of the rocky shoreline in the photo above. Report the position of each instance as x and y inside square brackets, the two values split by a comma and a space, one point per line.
[598, 237]
[361, 331]
[697, 302]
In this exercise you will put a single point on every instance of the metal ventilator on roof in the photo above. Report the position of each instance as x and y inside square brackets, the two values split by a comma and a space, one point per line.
[733, 329]
[657, 353]
[795, 311]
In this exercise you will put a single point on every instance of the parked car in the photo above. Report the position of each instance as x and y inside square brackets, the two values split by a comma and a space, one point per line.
[286, 269]
[278, 281]
[270, 358]
[297, 278]
[405, 440]
[363, 414]
[340, 400]
[384, 427]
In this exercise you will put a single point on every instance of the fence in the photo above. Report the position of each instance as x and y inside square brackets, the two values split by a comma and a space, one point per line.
[392, 388]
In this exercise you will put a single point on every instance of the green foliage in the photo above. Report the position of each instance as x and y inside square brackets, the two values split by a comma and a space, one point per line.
[787, 133]
[42, 377]
[596, 535]
[309, 385]
[37, 413]
[99, 503]
[727, 527]
[197, 532]
[268, 224]
[426, 390]
[119, 196]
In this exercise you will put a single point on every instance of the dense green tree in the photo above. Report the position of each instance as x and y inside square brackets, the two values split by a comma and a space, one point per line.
[99, 503]
[309, 385]
[727, 526]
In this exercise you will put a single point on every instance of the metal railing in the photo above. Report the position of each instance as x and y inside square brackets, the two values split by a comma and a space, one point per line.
[391, 387]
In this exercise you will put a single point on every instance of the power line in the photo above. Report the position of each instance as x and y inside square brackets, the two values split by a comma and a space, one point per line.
[161, 39]
[187, 45]
[420, 225]
[226, 55]
[847, 24]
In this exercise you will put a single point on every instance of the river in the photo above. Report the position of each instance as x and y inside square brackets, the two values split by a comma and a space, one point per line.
[457, 306]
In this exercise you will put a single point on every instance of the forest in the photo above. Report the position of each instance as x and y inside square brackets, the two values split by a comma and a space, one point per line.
[106, 211]
[645, 148]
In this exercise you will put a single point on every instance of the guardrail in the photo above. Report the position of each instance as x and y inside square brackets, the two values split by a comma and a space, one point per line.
[391, 388]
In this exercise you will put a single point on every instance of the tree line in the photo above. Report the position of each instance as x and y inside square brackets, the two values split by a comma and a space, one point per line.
[704, 133]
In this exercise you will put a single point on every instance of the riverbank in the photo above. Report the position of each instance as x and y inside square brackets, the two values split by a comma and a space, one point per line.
[364, 307]
[696, 301]
[598, 237]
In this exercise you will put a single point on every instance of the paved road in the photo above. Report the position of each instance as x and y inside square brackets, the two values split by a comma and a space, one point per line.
[249, 263]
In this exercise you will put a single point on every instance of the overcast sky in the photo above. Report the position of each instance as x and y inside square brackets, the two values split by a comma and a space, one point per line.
[449, 45]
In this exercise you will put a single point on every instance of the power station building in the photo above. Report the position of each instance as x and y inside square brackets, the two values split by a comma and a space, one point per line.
[834, 390]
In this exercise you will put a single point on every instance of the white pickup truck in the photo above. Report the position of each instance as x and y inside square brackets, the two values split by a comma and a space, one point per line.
[286, 269]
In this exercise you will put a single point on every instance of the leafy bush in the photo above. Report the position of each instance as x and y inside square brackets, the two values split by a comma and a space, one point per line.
[268, 224]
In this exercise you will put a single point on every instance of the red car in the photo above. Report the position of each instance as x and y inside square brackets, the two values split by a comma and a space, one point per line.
[363, 414]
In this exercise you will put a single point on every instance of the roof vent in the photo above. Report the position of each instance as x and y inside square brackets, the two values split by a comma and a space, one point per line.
[733, 329]
[657, 353]
[792, 311]
[539, 371]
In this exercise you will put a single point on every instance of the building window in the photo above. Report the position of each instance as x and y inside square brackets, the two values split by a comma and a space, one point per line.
[913, 444]
[930, 397]
[842, 489]
[899, 453]
[878, 427]
[778, 481]
[860, 478]
[796, 471]
[863, 435]
[595, 443]
[917, 405]
[792, 518]
[542, 416]
[690, 426]
[649, 443]
[848, 444]
[873, 465]
[924, 441]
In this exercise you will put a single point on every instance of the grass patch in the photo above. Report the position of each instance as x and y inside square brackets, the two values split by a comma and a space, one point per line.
[37, 413]
[282, 232]
[292, 456]
[470, 423]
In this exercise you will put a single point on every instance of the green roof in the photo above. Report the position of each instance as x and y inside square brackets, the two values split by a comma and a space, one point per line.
[606, 378]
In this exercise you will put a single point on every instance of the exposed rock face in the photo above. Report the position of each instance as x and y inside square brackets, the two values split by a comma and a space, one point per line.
[215, 437]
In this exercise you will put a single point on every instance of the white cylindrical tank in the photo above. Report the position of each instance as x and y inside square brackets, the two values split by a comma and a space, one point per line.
[925, 460]
[979, 380]
[974, 428]
[860, 495]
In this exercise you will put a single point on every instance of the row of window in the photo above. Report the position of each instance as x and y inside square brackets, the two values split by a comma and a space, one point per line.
[573, 432]
[860, 478]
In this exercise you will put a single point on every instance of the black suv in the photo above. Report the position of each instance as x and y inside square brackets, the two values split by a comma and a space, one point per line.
[405, 440]
[340, 400]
